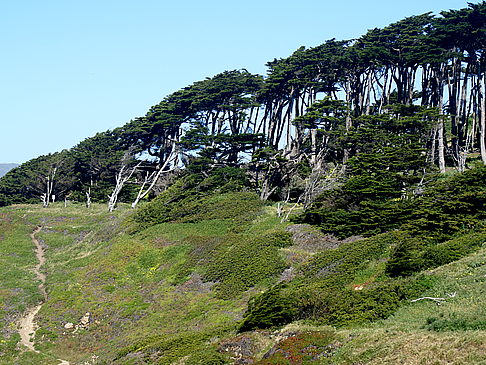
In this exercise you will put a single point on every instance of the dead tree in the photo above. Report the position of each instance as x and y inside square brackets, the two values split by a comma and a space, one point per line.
[47, 196]
[124, 174]
[151, 179]
[88, 197]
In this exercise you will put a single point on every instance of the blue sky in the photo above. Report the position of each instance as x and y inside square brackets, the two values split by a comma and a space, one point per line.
[69, 69]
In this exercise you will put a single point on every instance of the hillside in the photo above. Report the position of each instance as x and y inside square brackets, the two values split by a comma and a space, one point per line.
[212, 276]
[6, 167]
[332, 211]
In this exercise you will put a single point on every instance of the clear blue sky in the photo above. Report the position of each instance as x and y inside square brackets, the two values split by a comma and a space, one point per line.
[69, 69]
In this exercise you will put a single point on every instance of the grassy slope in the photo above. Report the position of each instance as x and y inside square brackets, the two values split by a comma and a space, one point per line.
[148, 303]
[417, 333]
[18, 285]
[139, 288]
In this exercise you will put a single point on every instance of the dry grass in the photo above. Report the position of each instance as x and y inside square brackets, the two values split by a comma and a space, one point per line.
[413, 348]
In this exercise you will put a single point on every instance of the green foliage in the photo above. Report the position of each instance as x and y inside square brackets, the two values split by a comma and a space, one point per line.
[246, 263]
[406, 258]
[452, 250]
[447, 207]
[207, 356]
[96, 163]
[387, 160]
[320, 301]
[345, 305]
[277, 239]
[27, 182]
[268, 309]
[167, 349]
[411, 255]
[453, 323]
[194, 198]
[450, 206]
[327, 289]
[337, 267]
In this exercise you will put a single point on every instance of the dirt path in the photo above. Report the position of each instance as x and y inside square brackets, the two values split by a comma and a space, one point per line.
[27, 328]
[39, 253]
[27, 325]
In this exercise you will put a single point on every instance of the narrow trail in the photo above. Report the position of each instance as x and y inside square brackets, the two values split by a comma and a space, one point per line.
[27, 325]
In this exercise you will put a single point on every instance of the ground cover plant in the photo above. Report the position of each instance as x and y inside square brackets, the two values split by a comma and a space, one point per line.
[184, 288]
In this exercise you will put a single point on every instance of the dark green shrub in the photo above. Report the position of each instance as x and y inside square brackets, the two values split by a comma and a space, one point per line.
[357, 306]
[362, 206]
[337, 267]
[453, 250]
[454, 324]
[166, 349]
[329, 304]
[323, 291]
[343, 305]
[406, 258]
[443, 254]
[240, 206]
[277, 239]
[268, 309]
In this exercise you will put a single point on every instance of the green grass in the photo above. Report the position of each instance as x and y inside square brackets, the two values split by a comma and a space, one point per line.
[18, 283]
[134, 285]
[170, 293]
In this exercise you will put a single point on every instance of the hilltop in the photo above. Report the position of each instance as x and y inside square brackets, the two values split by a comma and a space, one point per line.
[6, 167]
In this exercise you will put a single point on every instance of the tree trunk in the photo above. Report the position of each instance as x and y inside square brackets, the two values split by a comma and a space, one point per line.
[121, 178]
[47, 195]
[88, 198]
[440, 131]
[440, 141]
[482, 113]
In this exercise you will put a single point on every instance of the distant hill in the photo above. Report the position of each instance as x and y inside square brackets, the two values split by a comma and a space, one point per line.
[6, 167]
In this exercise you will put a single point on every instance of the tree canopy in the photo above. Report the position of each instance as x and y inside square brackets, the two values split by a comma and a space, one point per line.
[406, 99]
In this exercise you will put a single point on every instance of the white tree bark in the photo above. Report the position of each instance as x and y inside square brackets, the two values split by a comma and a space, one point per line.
[482, 126]
[154, 176]
[121, 178]
[47, 195]
[441, 147]
[88, 198]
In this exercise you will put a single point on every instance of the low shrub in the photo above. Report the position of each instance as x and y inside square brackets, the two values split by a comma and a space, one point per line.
[197, 197]
[323, 290]
[406, 257]
[166, 349]
[246, 263]
[338, 266]
[301, 348]
[344, 306]
[413, 255]
[454, 324]
[269, 309]
[453, 250]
